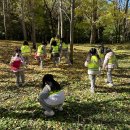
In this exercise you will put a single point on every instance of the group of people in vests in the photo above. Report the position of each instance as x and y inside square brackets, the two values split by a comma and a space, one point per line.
[96, 61]
[52, 96]
[58, 49]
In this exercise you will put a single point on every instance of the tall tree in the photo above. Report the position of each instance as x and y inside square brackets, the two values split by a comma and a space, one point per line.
[61, 19]
[125, 35]
[23, 19]
[72, 30]
[93, 22]
[4, 19]
[31, 9]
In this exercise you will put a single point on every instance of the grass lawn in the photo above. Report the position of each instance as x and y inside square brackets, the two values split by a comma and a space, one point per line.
[107, 109]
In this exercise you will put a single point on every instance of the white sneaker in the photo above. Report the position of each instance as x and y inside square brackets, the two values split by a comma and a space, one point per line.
[47, 113]
[60, 108]
[110, 84]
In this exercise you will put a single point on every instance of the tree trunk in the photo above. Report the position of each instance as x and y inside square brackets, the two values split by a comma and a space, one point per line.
[93, 23]
[23, 19]
[72, 30]
[61, 19]
[125, 21]
[58, 29]
[33, 34]
[4, 20]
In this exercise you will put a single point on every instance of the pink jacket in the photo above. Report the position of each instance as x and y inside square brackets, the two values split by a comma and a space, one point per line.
[16, 63]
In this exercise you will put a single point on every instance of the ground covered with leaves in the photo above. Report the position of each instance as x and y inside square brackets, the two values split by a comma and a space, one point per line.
[108, 108]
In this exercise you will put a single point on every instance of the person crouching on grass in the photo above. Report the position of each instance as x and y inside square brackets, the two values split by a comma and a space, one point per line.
[110, 62]
[51, 97]
[93, 64]
[16, 64]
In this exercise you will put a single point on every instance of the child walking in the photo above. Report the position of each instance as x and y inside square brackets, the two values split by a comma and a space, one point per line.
[41, 54]
[51, 96]
[26, 51]
[55, 50]
[110, 62]
[16, 66]
[93, 64]
[64, 51]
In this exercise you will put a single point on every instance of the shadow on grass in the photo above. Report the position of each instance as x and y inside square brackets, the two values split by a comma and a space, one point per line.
[121, 56]
[115, 88]
[76, 112]
[121, 76]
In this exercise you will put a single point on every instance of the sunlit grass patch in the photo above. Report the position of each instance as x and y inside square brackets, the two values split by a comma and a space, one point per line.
[108, 108]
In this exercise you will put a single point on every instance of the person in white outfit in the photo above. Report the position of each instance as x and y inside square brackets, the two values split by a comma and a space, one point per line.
[110, 62]
[51, 97]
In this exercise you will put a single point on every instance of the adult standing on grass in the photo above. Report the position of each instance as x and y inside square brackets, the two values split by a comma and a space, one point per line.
[93, 63]
[26, 51]
[110, 62]
[17, 63]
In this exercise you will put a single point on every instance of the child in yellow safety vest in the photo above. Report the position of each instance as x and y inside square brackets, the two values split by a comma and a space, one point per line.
[102, 54]
[26, 51]
[93, 64]
[64, 50]
[41, 54]
[55, 53]
[51, 97]
[110, 62]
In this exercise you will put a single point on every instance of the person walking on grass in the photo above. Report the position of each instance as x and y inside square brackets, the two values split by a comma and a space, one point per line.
[26, 51]
[55, 53]
[17, 63]
[64, 50]
[93, 64]
[110, 62]
[51, 97]
[41, 54]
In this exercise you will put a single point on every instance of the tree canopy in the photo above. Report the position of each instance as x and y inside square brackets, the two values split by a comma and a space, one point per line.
[95, 21]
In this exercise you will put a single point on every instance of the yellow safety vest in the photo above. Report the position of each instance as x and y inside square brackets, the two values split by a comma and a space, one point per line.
[64, 46]
[112, 60]
[58, 41]
[55, 49]
[40, 50]
[94, 63]
[25, 50]
[54, 92]
[101, 55]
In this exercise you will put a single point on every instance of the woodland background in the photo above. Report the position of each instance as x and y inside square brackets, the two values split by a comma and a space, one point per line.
[94, 21]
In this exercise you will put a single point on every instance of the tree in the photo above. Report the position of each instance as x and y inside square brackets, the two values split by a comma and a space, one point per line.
[4, 19]
[72, 30]
[23, 19]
